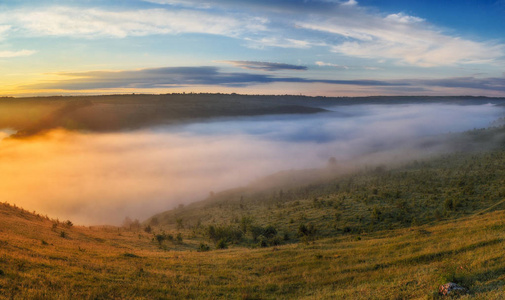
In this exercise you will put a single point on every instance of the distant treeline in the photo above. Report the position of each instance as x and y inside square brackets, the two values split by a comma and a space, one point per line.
[33, 115]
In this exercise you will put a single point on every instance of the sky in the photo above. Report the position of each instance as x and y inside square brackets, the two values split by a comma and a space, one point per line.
[309, 47]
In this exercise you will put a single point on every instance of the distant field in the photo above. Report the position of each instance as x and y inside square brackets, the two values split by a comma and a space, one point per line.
[125, 112]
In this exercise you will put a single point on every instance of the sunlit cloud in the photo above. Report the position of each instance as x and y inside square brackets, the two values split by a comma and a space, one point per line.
[325, 64]
[76, 22]
[404, 39]
[350, 2]
[402, 18]
[9, 54]
[360, 32]
[3, 31]
[277, 42]
[343, 27]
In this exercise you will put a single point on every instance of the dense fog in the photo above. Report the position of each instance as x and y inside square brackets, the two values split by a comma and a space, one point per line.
[93, 178]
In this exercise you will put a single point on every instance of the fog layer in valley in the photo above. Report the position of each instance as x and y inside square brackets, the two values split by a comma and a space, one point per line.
[101, 178]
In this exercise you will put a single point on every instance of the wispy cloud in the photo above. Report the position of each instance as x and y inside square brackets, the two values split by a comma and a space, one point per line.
[260, 43]
[3, 31]
[401, 38]
[78, 22]
[341, 67]
[9, 54]
[325, 64]
[353, 30]
[343, 27]
[264, 66]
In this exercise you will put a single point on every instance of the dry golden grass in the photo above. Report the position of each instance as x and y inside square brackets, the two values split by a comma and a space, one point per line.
[36, 262]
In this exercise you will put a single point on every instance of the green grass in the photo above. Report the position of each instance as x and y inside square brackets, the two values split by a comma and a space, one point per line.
[425, 192]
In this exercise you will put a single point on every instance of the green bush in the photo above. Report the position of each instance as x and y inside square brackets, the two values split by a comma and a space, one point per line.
[203, 247]
[229, 234]
[179, 238]
[221, 244]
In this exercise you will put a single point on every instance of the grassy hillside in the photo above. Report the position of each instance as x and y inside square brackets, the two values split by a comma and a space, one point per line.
[37, 261]
[331, 203]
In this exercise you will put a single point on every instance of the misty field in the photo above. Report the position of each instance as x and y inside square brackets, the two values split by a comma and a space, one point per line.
[197, 144]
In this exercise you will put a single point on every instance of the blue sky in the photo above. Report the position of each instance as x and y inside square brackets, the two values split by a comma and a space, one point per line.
[311, 47]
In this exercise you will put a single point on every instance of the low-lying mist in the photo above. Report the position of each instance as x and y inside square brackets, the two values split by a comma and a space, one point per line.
[101, 178]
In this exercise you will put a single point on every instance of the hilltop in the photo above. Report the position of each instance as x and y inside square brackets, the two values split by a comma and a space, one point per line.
[106, 113]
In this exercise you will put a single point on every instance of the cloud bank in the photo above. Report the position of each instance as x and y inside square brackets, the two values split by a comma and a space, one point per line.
[170, 77]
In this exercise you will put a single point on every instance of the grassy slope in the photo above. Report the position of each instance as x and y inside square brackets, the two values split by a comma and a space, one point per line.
[105, 263]
[445, 187]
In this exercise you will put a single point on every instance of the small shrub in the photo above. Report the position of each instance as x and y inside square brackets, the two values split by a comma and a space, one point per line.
[179, 238]
[256, 231]
[203, 247]
[44, 243]
[160, 238]
[275, 241]
[130, 255]
[63, 234]
[228, 233]
[148, 229]
[448, 204]
[262, 242]
[221, 244]
[306, 231]
[180, 224]
[269, 232]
